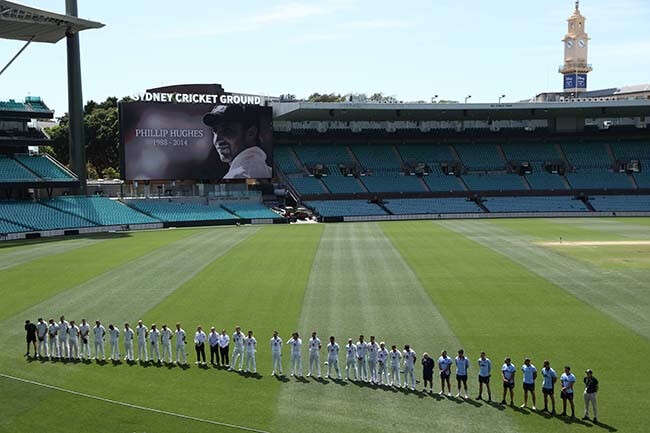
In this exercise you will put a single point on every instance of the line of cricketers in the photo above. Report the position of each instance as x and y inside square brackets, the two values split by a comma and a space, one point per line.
[368, 361]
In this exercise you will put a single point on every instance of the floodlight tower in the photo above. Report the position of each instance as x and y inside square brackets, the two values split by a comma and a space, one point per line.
[75, 101]
[576, 41]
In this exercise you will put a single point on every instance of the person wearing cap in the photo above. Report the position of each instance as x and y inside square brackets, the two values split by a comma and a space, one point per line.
[236, 136]
[508, 371]
[30, 331]
[567, 379]
[591, 389]
[530, 375]
[548, 385]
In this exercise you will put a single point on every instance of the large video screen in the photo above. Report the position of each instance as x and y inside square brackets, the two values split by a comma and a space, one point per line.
[169, 141]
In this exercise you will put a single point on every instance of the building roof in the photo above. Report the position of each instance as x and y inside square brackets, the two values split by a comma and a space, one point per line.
[32, 108]
[25, 23]
[634, 89]
[316, 111]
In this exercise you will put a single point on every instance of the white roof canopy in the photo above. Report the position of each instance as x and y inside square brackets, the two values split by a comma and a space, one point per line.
[25, 23]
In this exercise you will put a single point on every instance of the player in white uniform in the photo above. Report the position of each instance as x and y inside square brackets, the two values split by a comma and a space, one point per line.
[166, 340]
[98, 333]
[141, 332]
[84, 336]
[351, 360]
[409, 366]
[314, 354]
[296, 358]
[114, 335]
[180, 345]
[41, 336]
[52, 330]
[63, 337]
[362, 351]
[250, 347]
[382, 358]
[395, 361]
[373, 350]
[128, 343]
[276, 354]
[154, 342]
[333, 358]
[238, 350]
[73, 341]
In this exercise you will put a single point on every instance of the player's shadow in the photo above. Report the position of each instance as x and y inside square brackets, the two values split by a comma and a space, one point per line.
[339, 382]
[574, 420]
[605, 426]
[251, 375]
[116, 363]
[281, 378]
[301, 379]
[101, 362]
[520, 410]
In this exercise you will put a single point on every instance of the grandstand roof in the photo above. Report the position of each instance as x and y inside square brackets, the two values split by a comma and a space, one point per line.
[25, 23]
[305, 111]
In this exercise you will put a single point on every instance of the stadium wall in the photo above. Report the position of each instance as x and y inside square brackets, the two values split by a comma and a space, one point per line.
[484, 216]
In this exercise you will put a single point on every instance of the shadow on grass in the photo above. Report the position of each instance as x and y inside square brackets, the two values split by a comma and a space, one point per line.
[281, 378]
[98, 236]
[605, 426]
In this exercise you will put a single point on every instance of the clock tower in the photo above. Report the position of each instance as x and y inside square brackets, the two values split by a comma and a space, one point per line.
[576, 43]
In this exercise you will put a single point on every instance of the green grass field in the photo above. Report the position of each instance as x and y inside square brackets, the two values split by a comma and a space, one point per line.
[492, 285]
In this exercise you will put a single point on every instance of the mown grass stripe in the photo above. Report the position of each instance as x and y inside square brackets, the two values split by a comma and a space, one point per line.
[17, 255]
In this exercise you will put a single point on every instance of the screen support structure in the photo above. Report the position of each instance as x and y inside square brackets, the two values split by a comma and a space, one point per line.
[75, 102]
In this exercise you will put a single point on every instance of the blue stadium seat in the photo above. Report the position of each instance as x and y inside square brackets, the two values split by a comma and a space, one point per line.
[40, 217]
[250, 210]
[176, 211]
[326, 154]
[45, 168]
[432, 154]
[100, 210]
[336, 208]
[494, 182]
[398, 183]
[307, 185]
[12, 171]
[431, 206]
[534, 204]
[587, 155]
[285, 160]
[379, 158]
[7, 227]
[621, 203]
[443, 183]
[599, 179]
[343, 184]
[532, 152]
[479, 156]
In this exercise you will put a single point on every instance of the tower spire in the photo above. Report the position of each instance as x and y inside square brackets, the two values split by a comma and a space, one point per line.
[577, 5]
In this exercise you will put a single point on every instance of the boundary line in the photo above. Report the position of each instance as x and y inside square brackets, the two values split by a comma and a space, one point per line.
[134, 406]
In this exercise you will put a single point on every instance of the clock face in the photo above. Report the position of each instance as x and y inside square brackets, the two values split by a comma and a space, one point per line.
[581, 43]
[569, 43]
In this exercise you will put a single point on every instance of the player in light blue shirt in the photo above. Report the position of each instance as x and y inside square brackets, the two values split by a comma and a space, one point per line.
[568, 379]
[508, 371]
[444, 364]
[462, 364]
[530, 375]
[550, 377]
[484, 370]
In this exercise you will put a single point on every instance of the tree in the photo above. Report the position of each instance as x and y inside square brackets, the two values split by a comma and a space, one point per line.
[326, 97]
[289, 97]
[91, 171]
[101, 134]
[110, 173]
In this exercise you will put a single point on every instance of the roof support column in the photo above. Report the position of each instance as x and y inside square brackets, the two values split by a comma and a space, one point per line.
[75, 102]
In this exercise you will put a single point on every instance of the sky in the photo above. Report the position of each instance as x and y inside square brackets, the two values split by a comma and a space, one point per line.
[412, 49]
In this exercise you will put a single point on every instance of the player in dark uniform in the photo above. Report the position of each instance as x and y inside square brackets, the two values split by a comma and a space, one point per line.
[30, 330]
[427, 371]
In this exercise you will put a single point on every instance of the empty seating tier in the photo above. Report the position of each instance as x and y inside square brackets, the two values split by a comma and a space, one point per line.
[306, 185]
[379, 158]
[587, 155]
[100, 210]
[40, 217]
[477, 156]
[533, 152]
[176, 211]
[343, 184]
[251, 210]
[396, 184]
[621, 203]
[339, 208]
[326, 154]
[12, 171]
[494, 182]
[431, 206]
[427, 153]
[534, 204]
[599, 179]
[44, 167]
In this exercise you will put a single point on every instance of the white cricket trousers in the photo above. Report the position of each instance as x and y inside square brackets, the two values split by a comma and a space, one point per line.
[73, 349]
[409, 374]
[63, 348]
[590, 398]
[333, 363]
[362, 368]
[99, 349]
[314, 363]
[395, 380]
[382, 374]
[296, 364]
[372, 367]
[42, 348]
[167, 351]
[237, 354]
[85, 349]
[128, 348]
[351, 366]
[249, 362]
[276, 358]
[115, 350]
[155, 352]
[54, 347]
[142, 350]
[180, 352]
